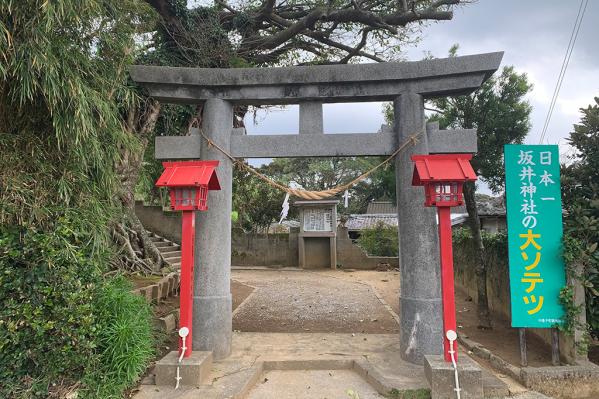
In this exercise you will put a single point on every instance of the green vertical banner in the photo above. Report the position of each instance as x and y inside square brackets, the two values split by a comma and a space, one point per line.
[534, 222]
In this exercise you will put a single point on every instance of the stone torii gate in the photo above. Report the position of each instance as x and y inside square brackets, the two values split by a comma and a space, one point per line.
[407, 84]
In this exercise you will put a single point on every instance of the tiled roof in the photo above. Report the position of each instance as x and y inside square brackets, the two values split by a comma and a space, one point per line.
[487, 206]
[360, 222]
[378, 207]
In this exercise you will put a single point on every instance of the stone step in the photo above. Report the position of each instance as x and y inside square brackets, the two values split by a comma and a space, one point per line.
[171, 254]
[160, 244]
[175, 262]
[169, 248]
[156, 239]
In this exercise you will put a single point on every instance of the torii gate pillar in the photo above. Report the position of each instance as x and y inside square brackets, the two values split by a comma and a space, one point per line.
[212, 272]
[421, 328]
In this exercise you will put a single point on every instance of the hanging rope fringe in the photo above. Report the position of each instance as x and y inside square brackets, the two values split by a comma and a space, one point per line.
[306, 194]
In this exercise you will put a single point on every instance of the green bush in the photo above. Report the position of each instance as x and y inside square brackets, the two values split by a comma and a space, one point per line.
[379, 240]
[124, 338]
[61, 322]
[495, 243]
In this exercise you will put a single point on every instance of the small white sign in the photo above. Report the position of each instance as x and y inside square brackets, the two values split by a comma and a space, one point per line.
[316, 219]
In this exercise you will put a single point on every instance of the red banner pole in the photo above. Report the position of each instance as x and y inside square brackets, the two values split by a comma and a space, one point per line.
[447, 287]
[186, 290]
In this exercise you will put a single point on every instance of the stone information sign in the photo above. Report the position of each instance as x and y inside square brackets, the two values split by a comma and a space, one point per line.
[318, 219]
[534, 220]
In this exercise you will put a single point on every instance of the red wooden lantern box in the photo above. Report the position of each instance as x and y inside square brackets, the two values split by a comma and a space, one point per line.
[188, 183]
[443, 177]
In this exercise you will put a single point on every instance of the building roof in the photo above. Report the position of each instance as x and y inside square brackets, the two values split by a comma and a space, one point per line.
[365, 221]
[487, 207]
[316, 203]
[381, 207]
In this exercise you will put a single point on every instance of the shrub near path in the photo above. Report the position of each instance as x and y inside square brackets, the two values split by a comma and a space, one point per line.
[63, 327]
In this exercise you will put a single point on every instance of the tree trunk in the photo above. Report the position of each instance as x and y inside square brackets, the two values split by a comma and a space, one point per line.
[484, 319]
[138, 253]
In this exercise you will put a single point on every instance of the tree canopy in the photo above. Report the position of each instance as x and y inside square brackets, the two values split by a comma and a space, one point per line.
[267, 32]
[63, 91]
[580, 193]
[499, 113]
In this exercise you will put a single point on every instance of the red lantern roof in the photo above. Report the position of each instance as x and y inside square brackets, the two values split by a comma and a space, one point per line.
[442, 168]
[189, 174]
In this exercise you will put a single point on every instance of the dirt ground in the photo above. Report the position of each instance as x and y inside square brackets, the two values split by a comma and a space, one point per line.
[386, 283]
[336, 301]
[240, 293]
[345, 301]
[305, 301]
[502, 340]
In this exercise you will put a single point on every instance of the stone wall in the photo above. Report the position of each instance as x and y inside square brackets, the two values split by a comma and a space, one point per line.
[164, 223]
[275, 250]
[498, 282]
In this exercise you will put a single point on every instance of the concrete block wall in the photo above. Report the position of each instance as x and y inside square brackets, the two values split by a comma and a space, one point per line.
[498, 280]
[164, 223]
[277, 250]
[264, 250]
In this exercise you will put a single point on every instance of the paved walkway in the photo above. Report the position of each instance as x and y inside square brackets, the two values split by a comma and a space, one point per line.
[319, 352]
[303, 334]
[306, 365]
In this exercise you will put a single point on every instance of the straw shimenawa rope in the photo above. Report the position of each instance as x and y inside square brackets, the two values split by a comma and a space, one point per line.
[307, 194]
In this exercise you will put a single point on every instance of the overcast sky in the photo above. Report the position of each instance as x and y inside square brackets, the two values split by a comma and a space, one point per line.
[532, 33]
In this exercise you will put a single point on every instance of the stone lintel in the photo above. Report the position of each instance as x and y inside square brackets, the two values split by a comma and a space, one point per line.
[312, 145]
[315, 145]
[177, 147]
[321, 92]
[326, 83]
[452, 141]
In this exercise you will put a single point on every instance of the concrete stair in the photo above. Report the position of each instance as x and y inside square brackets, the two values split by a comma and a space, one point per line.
[170, 251]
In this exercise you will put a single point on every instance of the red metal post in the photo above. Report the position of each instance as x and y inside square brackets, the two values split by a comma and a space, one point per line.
[186, 290]
[447, 290]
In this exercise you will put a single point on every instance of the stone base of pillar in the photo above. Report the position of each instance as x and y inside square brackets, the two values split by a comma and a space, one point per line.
[420, 333]
[441, 378]
[193, 370]
[212, 325]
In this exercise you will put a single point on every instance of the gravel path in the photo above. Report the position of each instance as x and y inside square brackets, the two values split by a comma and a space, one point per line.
[301, 301]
